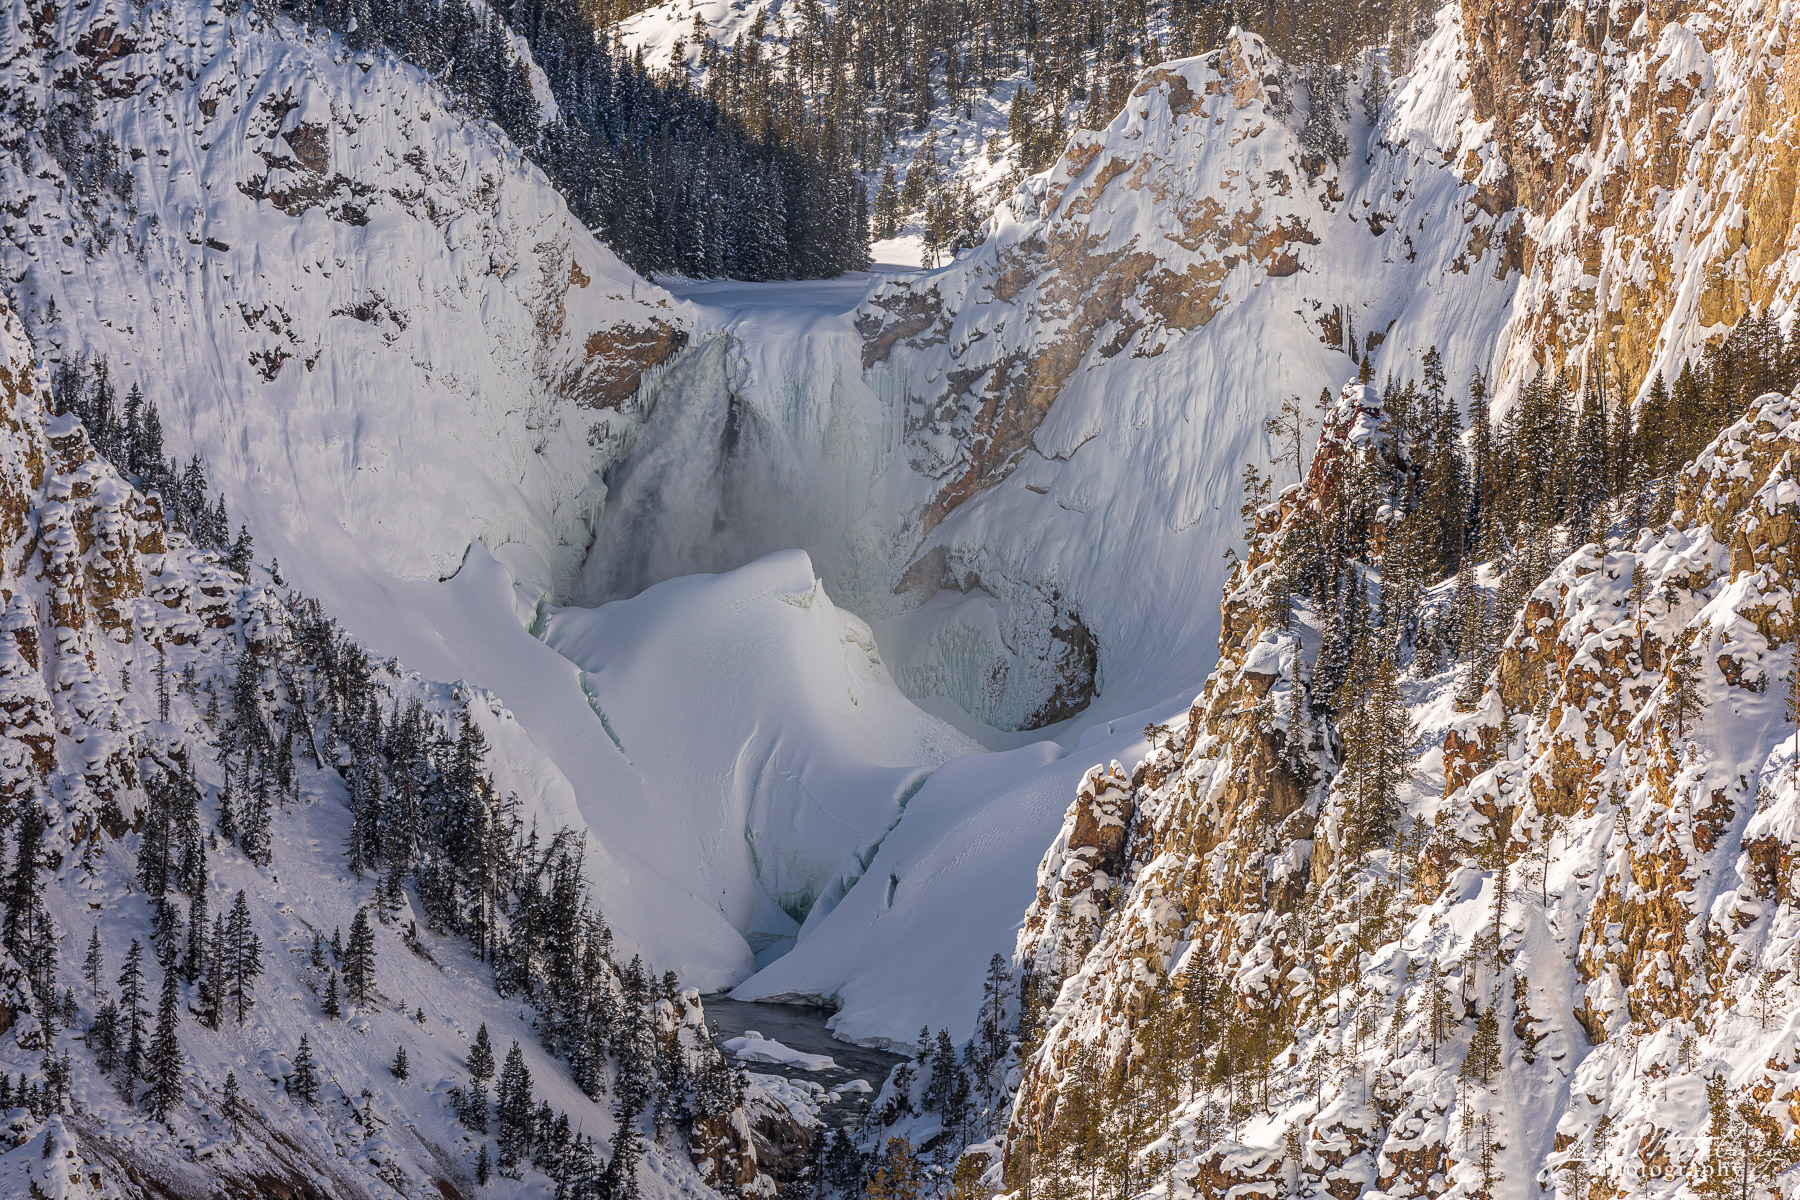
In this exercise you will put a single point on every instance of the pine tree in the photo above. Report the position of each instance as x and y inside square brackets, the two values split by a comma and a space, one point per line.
[1377, 735]
[25, 917]
[483, 1171]
[162, 685]
[1483, 1060]
[898, 1174]
[303, 1084]
[1589, 468]
[242, 555]
[332, 1005]
[103, 1036]
[1573, 1171]
[165, 933]
[258, 815]
[401, 1070]
[231, 1105]
[945, 1074]
[481, 1056]
[474, 1112]
[1727, 1158]
[515, 1110]
[1487, 1154]
[1256, 487]
[1321, 135]
[228, 818]
[236, 958]
[1682, 699]
[93, 967]
[213, 977]
[1286, 431]
[132, 1011]
[1438, 1016]
[359, 958]
[576, 1167]
[193, 964]
[164, 1064]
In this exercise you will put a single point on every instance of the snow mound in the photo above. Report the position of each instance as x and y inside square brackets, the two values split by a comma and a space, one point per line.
[754, 1047]
[772, 739]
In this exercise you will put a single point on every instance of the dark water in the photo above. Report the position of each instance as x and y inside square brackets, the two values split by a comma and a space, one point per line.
[802, 1026]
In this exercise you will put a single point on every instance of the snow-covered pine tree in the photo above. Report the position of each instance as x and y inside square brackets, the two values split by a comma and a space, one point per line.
[515, 1112]
[231, 1105]
[165, 932]
[1377, 736]
[163, 1067]
[1482, 1063]
[1683, 699]
[228, 816]
[103, 1035]
[132, 1012]
[236, 959]
[359, 959]
[258, 814]
[193, 964]
[473, 1112]
[303, 1084]
[93, 965]
[26, 932]
[242, 555]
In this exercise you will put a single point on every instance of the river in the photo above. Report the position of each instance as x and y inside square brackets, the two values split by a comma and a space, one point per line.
[802, 1027]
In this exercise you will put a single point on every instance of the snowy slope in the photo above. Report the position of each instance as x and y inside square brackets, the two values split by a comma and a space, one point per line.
[763, 713]
[102, 597]
[1048, 433]
[1088, 384]
[1082, 389]
[380, 328]
[1114, 508]
[418, 380]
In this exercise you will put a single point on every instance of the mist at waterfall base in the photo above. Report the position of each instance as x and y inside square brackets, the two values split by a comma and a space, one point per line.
[762, 436]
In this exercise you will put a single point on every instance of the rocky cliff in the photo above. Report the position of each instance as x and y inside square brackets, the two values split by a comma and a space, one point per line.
[1568, 966]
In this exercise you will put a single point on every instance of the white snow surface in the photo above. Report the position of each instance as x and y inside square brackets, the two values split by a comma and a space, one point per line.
[371, 1136]
[770, 743]
[754, 1047]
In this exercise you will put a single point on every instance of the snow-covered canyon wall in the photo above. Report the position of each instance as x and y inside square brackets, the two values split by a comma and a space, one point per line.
[446, 409]
[408, 369]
